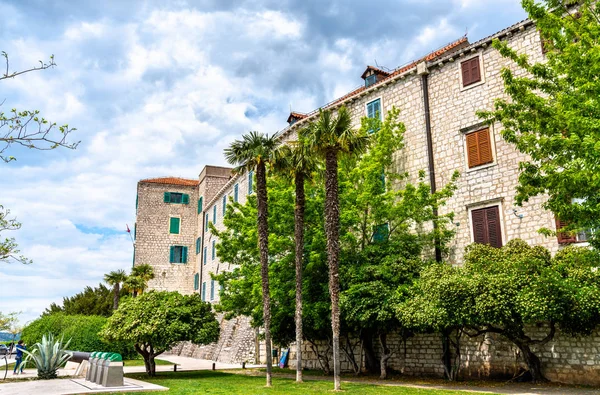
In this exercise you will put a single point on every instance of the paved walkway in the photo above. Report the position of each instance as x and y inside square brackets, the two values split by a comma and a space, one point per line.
[72, 386]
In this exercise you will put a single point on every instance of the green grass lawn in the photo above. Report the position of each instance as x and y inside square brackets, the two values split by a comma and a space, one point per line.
[216, 382]
[140, 362]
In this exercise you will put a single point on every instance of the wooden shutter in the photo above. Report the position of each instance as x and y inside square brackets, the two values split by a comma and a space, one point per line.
[480, 234]
[224, 204]
[200, 205]
[471, 71]
[167, 197]
[196, 281]
[486, 226]
[472, 150]
[205, 254]
[215, 214]
[172, 254]
[479, 148]
[563, 237]
[197, 246]
[184, 253]
[204, 291]
[212, 289]
[174, 225]
[213, 250]
[185, 199]
[493, 226]
[235, 193]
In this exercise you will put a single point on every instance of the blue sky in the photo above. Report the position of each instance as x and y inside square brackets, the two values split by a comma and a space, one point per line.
[159, 88]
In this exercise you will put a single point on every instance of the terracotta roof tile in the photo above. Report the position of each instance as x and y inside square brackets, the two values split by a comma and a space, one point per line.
[172, 181]
[297, 115]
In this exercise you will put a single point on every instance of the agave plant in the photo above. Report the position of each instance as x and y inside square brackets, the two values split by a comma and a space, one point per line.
[48, 356]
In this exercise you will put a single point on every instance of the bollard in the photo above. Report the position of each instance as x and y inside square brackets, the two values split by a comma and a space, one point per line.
[174, 367]
[91, 367]
[113, 371]
[213, 367]
[244, 365]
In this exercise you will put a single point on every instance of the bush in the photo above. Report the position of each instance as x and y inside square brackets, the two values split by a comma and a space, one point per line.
[81, 329]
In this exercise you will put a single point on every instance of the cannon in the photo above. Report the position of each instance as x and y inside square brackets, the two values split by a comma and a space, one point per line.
[78, 356]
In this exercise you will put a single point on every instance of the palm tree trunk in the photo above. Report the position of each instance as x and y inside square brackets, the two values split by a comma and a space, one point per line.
[116, 290]
[332, 231]
[263, 246]
[299, 236]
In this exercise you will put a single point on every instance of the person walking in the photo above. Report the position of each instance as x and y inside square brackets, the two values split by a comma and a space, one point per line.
[19, 357]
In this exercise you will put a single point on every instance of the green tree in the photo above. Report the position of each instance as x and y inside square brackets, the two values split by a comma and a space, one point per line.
[92, 301]
[137, 281]
[115, 279]
[8, 321]
[552, 113]
[331, 137]
[297, 163]
[156, 321]
[253, 153]
[505, 290]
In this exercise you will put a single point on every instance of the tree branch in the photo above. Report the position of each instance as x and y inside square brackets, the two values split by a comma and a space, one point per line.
[43, 66]
[548, 337]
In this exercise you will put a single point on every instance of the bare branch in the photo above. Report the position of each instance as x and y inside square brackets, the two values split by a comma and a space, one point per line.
[43, 66]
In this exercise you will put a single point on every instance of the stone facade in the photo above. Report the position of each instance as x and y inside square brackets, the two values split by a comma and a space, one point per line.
[453, 114]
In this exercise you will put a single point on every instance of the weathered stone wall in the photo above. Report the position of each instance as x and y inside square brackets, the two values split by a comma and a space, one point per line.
[566, 359]
[153, 240]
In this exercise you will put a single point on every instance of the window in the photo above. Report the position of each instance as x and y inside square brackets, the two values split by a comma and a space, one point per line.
[206, 223]
[197, 246]
[200, 204]
[479, 148]
[250, 180]
[381, 233]
[174, 225]
[471, 72]
[235, 193]
[213, 250]
[196, 281]
[224, 204]
[178, 254]
[204, 291]
[374, 109]
[212, 289]
[137, 197]
[205, 254]
[215, 214]
[370, 80]
[486, 226]
[176, 197]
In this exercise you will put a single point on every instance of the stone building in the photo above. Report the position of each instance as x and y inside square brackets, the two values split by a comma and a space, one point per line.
[438, 97]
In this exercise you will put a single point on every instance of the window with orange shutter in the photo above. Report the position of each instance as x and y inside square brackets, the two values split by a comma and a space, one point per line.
[486, 226]
[471, 72]
[479, 148]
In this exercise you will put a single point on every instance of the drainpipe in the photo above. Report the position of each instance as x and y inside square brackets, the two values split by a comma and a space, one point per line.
[424, 73]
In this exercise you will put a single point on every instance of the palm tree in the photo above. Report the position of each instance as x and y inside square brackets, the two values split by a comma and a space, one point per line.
[253, 153]
[296, 162]
[115, 278]
[331, 137]
[137, 282]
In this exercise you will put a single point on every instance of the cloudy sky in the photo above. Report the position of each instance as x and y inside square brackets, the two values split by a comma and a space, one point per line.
[160, 88]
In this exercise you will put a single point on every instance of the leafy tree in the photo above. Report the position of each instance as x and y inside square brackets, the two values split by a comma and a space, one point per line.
[297, 163]
[92, 301]
[382, 249]
[504, 290]
[332, 137]
[116, 278]
[552, 113]
[137, 281]
[156, 321]
[253, 153]
[28, 129]
[81, 329]
[8, 321]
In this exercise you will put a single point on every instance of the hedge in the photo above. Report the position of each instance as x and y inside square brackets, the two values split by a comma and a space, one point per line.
[81, 329]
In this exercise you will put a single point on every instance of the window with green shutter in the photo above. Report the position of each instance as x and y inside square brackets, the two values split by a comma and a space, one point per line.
[224, 205]
[381, 233]
[197, 246]
[212, 289]
[206, 223]
[205, 254]
[215, 214]
[174, 223]
[178, 254]
[374, 111]
[250, 180]
[213, 250]
[235, 193]
[176, 197]
[200, 204]
[204, 291]
[196, 281]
